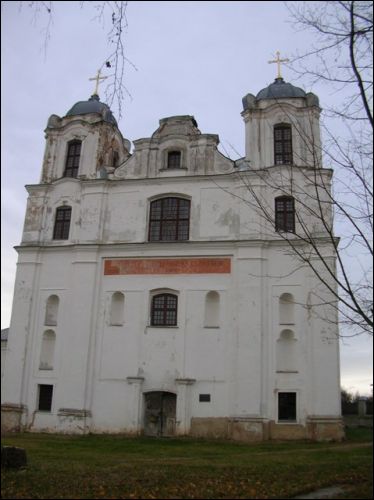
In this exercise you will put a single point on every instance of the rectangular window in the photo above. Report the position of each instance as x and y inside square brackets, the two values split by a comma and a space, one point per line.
[45, 397]
[287, 406]
[285, 214]
[62, 223]
[204, 398]
[174, 159]
[282, 145]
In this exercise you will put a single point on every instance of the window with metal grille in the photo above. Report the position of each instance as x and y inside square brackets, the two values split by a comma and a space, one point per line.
[285, 214]
[169, 219]
[164, 310]
[45, 397]
[72, 159]
[62, 223]
[287, 406]
[174, 159]
[204, 398]
[282, 145]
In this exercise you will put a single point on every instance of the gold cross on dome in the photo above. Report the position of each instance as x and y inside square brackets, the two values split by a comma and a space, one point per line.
[278, 60]
[97, 78]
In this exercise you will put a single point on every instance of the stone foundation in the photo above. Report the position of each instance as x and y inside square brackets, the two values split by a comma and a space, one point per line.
[12, 417]
[248, 429]
[74, 421]
[243, 429]
[252, 429]
[325, 429]
[286, 431]
[212, 428]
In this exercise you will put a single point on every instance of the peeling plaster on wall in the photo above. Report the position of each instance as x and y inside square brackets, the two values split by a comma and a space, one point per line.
[33, 217]
[228, 362]
[230, 219]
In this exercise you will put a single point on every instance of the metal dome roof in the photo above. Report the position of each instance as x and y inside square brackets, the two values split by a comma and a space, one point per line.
[93, 105]
[280, 89]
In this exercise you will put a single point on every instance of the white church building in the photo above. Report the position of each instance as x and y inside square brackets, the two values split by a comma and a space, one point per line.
[151, 297]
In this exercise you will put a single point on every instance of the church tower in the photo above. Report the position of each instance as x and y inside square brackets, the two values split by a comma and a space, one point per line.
[92, 135]
[282, 126]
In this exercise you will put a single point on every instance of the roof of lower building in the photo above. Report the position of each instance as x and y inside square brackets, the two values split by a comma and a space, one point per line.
[4, 333]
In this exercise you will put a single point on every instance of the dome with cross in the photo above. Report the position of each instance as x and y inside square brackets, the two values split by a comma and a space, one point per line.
[93, 105]
[280, 89]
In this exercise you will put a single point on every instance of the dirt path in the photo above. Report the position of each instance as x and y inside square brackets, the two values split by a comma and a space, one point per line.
[330, 492]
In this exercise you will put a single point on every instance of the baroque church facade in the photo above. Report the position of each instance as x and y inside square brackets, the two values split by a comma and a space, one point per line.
[152, 298]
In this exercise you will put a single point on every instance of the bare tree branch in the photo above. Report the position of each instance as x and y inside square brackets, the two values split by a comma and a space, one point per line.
[342, 56]
[115, 12]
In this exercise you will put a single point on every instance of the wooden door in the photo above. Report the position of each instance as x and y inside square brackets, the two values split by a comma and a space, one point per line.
[160, 413]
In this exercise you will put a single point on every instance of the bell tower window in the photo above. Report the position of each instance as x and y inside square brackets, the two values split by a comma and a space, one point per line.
[285, 214]
[72, 159]
[62, 223]
[282, 144]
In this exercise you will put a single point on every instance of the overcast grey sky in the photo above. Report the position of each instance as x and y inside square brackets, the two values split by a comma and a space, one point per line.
[196, 58]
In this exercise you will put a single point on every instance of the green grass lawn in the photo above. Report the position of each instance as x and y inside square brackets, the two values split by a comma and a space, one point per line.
[121, 467]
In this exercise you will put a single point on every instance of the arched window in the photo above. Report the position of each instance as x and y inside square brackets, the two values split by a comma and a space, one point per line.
[211, 309]
[164, 310]
[62, 223]
[48, 350]
[286, 352]
[285, 214]
[117, 309]
[282, 144]
[72, 159]
[51, 310]
[169, 219]
[174, 159]
[286, 309]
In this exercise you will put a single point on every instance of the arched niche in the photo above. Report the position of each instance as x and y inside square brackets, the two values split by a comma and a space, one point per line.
[286, 309]
[51, 310]
[212, 310]
[47, 351]
[117, 309]
[286, 352]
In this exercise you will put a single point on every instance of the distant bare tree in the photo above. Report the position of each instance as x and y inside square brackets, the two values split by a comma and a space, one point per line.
[115, 13]
[348, 397]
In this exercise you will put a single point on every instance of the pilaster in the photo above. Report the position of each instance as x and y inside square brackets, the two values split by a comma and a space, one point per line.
[183, 405]
[135, 384]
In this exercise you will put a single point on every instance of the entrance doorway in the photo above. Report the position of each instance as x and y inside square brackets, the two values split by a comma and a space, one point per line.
[160, 413]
